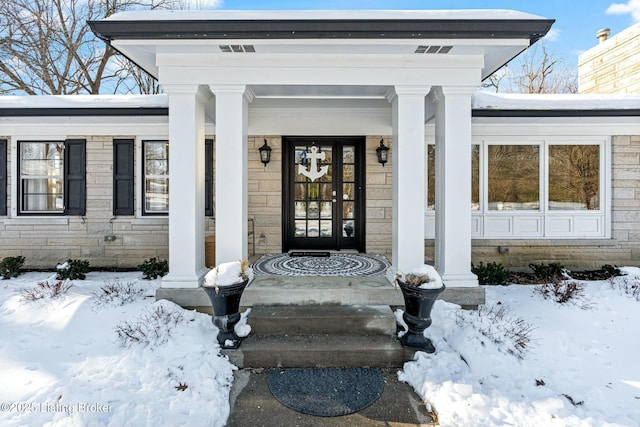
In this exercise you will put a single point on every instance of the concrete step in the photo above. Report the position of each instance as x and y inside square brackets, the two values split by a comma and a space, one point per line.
[319, 351]
[325, 319]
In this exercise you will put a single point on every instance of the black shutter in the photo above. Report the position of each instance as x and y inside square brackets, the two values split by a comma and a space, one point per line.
[3, 176]
[75, 181]
[208, 177]
[123, 192]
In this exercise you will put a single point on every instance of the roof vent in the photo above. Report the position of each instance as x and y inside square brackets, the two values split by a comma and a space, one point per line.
[433, 49]
[238, 48]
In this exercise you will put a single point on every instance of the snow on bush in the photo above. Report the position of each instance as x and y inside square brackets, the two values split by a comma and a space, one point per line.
[47, 290]
[510, 334]
[152, 328]
[629, 284]
[116, 293]
[563, 291]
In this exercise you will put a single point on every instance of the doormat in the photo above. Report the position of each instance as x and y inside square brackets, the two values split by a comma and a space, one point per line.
[333, 265]
[316, 254]
[326, 392]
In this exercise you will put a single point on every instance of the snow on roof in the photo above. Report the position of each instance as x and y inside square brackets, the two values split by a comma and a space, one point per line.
[257, 15]
[85, 101]
[512, 101]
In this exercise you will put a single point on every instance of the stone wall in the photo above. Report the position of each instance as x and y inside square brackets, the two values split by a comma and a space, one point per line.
[379, 198]
[612, 66]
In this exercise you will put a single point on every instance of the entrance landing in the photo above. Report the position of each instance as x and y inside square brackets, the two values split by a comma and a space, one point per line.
[318, 290]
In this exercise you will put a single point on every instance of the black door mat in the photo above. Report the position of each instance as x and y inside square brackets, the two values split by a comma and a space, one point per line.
[326, 392]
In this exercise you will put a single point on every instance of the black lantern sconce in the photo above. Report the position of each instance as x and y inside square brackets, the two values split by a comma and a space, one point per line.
[383, 153]
[265, 153]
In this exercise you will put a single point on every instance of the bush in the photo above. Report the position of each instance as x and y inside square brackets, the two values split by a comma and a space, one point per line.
[630, 285]
[551, 271]
[561, 291]
[117, 293]
[153, 328]
[10, 266]
[73, 269]
[46, 290]
[153, 268]
[491, 274]
[511, 335]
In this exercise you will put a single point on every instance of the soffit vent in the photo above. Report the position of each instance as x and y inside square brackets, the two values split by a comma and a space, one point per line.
[433, 49]
[237, 48]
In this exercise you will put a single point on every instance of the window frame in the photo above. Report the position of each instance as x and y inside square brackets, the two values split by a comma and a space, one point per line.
[545, 218]
[144, 177]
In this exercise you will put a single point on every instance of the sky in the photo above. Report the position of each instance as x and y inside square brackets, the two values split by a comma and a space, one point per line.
[577, 21]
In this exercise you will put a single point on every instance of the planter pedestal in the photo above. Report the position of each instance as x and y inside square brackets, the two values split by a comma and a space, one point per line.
[226, 307]
[417, 314]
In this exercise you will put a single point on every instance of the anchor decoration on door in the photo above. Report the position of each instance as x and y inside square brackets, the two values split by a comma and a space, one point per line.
[313, 172]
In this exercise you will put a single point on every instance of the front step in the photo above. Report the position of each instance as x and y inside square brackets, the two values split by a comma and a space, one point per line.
[319, 351]
[318, 320]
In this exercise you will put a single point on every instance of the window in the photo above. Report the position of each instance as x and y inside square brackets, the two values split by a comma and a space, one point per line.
[156, 177]
[52, 177]
[540, 188]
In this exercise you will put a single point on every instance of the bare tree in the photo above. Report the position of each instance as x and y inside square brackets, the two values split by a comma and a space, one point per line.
[46, 47]
[535, 71]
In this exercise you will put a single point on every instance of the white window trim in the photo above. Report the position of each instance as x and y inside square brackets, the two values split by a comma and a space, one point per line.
[539, 224]
[139, 176]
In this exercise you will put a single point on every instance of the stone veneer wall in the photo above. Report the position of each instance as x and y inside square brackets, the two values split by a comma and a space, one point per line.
[622, 249]
[46, 242]
[612, 66]
[379, 198]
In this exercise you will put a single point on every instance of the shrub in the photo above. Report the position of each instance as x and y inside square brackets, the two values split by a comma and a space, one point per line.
[551, 271]
[561, 291]
[630, 285]
[73, 269]
[153, 268]
[10, 266]
[493, 273]
[153, 328]
[610, 270]
[511, 335]
[47, 290]
[117, 293]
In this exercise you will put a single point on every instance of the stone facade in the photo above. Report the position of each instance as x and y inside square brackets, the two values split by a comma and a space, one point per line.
[613, 66]
[47, 241]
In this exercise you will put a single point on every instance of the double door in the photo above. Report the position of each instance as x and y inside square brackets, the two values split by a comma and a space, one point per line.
[323, 197]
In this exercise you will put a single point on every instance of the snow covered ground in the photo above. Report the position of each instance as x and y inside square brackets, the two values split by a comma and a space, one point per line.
[80, 359]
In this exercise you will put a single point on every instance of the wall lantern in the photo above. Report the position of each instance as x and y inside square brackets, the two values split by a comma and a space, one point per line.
[265, 153]
[383, 153]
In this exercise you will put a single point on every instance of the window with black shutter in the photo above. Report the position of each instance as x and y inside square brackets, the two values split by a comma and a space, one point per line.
[123, 177]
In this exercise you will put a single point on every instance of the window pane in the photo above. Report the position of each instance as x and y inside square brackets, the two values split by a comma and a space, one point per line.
[475, 177]
[43, 195]
[514, 177]
[431, 177]
[574, 177]
[157, 195]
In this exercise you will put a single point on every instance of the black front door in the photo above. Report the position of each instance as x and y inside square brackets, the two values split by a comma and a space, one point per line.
[323, 193]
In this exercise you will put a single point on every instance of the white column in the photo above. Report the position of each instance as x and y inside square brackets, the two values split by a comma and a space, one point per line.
[453, 186]
[231, 192]
[186, 185]
[409, 176]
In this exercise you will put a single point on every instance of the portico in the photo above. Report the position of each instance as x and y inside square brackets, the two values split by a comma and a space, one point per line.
[416, 67]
